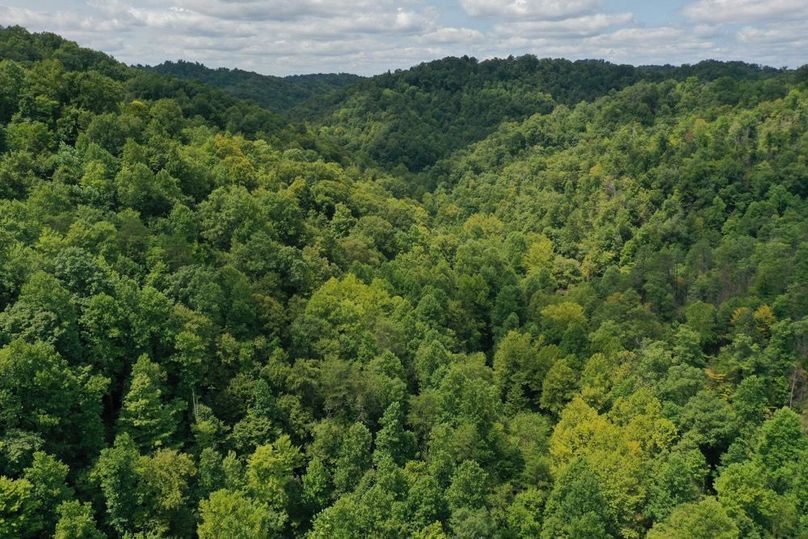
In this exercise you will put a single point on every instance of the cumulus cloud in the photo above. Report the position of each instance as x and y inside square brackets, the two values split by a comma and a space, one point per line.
[538, 9]
[653, 45]
[453, 35]
[724, 11]
[789, 34]
[267, 10]
[571, 28]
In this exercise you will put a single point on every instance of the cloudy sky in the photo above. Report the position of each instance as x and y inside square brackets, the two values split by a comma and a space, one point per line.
[282, 37]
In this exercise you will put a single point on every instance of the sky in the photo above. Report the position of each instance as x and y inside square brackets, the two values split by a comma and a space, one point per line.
[283, 37]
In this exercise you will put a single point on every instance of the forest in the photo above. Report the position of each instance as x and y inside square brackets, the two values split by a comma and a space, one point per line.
[514, 298]
[279, 94]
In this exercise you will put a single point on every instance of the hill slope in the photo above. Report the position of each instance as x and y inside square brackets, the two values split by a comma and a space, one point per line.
[415, 117]
[592, 323]
[278, 94]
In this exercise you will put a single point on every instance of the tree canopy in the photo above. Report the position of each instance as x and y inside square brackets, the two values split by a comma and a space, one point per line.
[515, 298]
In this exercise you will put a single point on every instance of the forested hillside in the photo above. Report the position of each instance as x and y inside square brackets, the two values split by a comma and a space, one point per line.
[582, 313]
[408, 120]
[278, 94]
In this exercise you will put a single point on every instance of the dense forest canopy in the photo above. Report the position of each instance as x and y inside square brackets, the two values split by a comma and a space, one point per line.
[279, 94]
[516, 298]
[414, 118]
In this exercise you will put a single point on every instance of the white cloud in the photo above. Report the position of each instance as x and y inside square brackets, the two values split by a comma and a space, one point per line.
[632, 37]
[785, 34]
[727, 11]
[776, 44]
[633, 44]
[279, 10]
[535, 9]
[565, 28]
[453, 35]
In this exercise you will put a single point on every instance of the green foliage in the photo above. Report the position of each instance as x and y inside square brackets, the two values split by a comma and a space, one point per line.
[76, 522]
[48, 480]
[558, 387]
[511, 298]
[232, 514]
[703, 520]
[392, 439]
[468, 487]
[419, 116]
[144, 416]
[576, 507]
[116, 474]
[520, 367]
[270, 472]
[58, 403]
[145, 494]
[16, 511]
[279, 94]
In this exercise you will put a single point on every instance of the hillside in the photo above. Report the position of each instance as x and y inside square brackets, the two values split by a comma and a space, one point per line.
[416, 117]
[66, 68]
[278, 94]
[216, 321]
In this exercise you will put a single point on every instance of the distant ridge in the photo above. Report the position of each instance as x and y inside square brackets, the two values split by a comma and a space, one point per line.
[417, 116]
[279, 94]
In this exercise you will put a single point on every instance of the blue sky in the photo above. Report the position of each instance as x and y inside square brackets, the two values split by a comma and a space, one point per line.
[282, 37]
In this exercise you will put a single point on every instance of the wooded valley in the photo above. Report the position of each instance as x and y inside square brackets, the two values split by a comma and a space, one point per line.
[512, 298]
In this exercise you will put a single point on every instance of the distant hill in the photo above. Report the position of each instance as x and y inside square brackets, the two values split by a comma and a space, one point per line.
[217, 321]
[417, 116]
[279, 94]
[195, 99]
